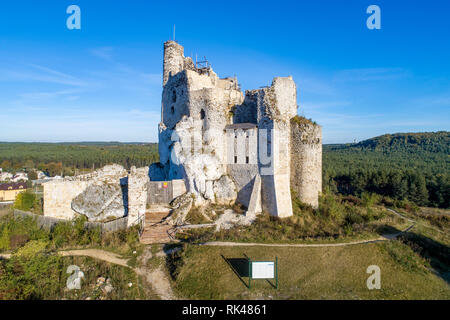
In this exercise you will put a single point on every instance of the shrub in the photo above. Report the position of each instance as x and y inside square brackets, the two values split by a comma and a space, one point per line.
[370, 199]
[32, 248]
[25, 201]
[18, 240]
[14, 232]
[353, 218]
[75, 233]
[330, 206]
[352, 200]
[406, 205]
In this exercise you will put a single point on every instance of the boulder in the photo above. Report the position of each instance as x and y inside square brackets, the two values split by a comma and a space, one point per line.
[102, 201]
[225, 190]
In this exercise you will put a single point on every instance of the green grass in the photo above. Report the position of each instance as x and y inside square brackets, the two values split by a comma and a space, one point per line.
[338, 218]
[310, 273]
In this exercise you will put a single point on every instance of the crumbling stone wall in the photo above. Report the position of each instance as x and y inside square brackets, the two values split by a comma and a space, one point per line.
[137, 195]
[58, 195]
[109, 192]
[306, 160]
[276, 104]
[242, 158]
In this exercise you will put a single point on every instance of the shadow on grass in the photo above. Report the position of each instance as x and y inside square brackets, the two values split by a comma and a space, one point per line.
[240, 266]
[435, 252]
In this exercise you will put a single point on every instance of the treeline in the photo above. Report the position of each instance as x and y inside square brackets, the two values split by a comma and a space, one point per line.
[404, 166]
[411, 166]
[68, 158]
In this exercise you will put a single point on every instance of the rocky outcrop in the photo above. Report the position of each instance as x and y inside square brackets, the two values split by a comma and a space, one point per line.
[225, 191]
[182, 205]
[101, 202]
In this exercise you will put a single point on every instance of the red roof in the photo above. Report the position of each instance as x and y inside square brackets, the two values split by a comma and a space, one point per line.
[14, 185]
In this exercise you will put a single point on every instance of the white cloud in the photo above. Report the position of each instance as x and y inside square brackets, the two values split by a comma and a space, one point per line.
[41, 74]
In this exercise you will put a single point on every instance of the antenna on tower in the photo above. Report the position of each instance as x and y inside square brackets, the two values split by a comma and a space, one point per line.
[173, 32]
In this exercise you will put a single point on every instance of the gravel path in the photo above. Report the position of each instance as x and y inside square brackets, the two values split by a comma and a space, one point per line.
[97, 254]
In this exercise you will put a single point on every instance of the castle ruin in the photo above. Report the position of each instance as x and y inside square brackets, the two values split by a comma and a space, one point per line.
[218, 140]
[216, 144]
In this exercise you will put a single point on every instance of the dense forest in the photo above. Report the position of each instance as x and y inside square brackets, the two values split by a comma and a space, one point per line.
[411, 166]
[67, 158]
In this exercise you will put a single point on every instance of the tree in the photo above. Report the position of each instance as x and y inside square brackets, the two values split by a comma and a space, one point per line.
[6, 164]
[32, 175]
[29, 164]
[25, 201]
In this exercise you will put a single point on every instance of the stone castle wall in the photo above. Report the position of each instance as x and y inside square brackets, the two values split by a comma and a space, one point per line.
[306, 160]
[58, 197]
[276, 105]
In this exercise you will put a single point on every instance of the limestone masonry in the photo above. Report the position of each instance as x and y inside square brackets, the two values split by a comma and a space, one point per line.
[215, 143]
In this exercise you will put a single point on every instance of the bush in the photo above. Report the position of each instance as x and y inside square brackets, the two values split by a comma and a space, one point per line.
[353, 218]
[330, 207]
[406, 205]
[32, 248]
[370, 199]
[75, 233]
[32, 277]
[25, 201]
[14, 232]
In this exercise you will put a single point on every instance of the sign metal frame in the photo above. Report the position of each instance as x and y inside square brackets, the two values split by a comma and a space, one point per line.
[250, 272]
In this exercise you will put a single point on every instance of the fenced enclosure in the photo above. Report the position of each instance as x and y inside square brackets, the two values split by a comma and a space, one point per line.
[49, 222]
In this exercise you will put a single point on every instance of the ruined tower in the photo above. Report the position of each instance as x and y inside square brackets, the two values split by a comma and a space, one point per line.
[306, 160]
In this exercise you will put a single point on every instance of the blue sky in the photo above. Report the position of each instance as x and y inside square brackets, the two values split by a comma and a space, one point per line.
[103, 82]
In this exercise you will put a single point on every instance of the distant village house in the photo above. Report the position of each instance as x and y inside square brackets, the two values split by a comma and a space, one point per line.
[9, 191]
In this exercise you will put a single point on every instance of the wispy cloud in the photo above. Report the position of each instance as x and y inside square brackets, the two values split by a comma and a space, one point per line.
[104, 53]
[48, 95]
[40, 74]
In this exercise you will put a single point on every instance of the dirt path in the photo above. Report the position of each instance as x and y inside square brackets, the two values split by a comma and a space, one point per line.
[96, 254]
[311, 245]
[156, 277]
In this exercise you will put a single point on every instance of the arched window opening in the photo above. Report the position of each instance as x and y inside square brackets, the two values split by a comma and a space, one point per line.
[172, 109]
[202, 114]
